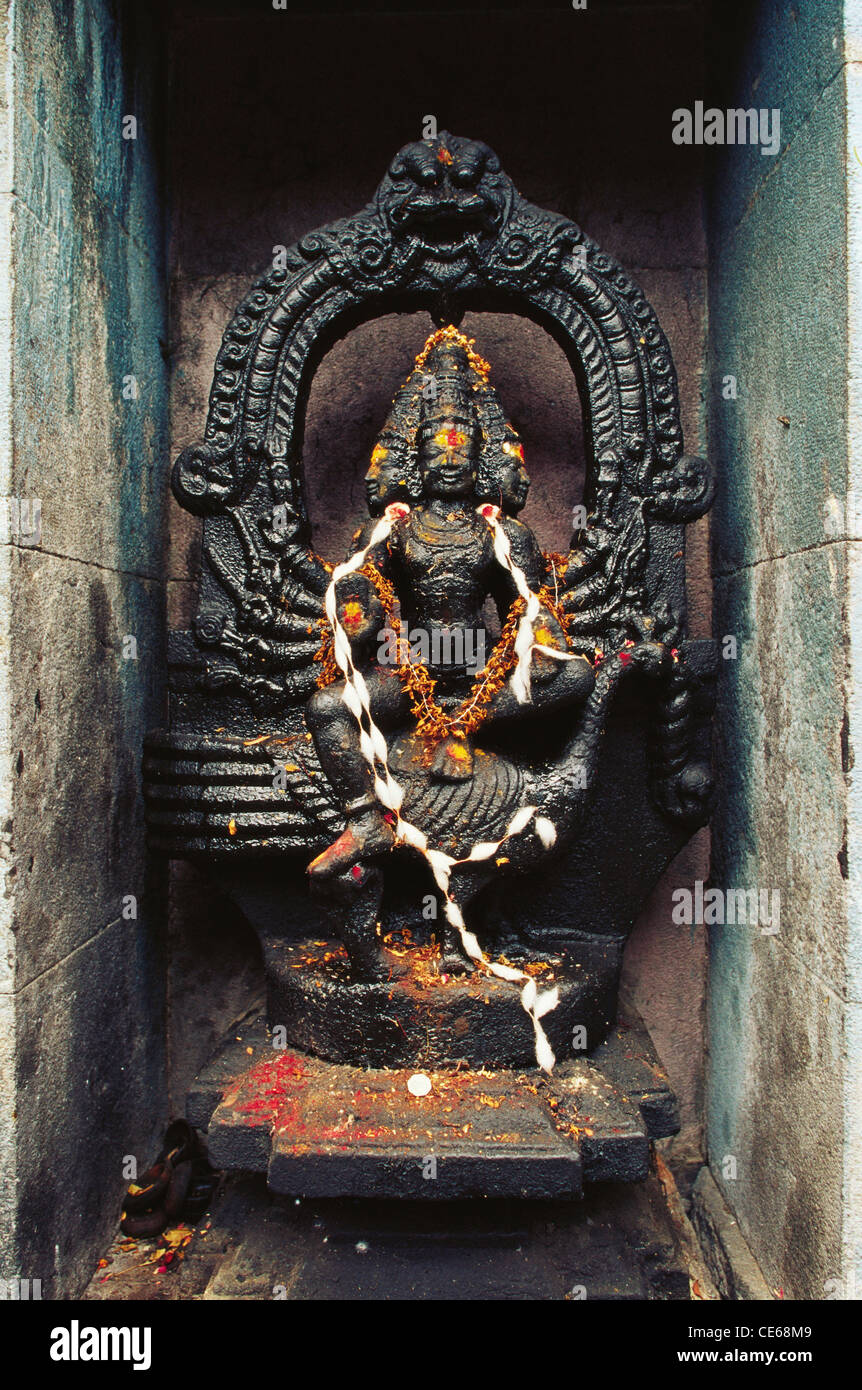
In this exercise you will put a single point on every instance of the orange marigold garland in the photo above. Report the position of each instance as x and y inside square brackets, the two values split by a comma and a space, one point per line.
[325, 656]
[450, 334]
[432, 721]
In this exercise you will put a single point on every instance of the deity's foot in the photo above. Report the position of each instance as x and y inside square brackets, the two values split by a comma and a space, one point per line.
[452, 762]
[364, 837]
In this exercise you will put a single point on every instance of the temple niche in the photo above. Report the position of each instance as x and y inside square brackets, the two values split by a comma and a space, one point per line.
[419, 785]
[440, 828]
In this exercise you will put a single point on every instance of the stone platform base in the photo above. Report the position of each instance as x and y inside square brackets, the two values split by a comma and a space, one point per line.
[320, 1129]
[424, 1019]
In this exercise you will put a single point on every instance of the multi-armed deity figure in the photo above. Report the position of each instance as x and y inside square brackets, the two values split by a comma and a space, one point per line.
[408, 745]
[444, 556]
[426, 744]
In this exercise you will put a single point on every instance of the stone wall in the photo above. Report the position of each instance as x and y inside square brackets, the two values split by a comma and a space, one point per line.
[83, 274]
[318, 106]
[780, 1005]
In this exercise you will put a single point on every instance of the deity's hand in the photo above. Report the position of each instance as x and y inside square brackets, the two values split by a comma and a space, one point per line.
[361, 615]
[548, 633]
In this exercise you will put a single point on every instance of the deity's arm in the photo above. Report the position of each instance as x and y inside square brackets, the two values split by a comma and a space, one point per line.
[380, 554]
[526, 553]
[548, 631]
[358, 604]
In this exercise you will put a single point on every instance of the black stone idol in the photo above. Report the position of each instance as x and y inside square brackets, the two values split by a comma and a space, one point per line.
[440, 779]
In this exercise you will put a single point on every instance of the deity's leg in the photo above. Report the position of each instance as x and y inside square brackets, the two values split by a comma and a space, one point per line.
[336, 737]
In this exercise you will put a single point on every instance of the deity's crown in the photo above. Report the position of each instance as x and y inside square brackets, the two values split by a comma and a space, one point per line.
[456, 370]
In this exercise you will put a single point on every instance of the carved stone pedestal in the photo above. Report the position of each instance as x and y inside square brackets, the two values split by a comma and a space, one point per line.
[320, 1129]
[425, 1018]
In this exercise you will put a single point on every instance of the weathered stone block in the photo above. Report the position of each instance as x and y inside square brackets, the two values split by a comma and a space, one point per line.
[786, 54]
[89, 1062]
[81, 712]
[777, 325]
[779, 758]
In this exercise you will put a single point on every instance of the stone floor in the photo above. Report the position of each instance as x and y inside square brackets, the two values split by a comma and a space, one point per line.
[621, 1242]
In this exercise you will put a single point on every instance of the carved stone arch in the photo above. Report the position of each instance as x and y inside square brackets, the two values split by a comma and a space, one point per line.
[536, 263]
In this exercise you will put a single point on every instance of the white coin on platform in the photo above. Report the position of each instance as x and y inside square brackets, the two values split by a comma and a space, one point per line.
[419, 1085]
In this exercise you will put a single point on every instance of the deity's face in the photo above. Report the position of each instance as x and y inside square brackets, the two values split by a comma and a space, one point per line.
[513, 476]
[384, 481]
[448, 456]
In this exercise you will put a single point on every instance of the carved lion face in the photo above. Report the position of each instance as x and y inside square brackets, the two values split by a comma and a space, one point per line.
[445, 197]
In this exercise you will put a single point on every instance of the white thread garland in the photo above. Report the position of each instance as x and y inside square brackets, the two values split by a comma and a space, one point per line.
[524, 641]
[389, 794]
